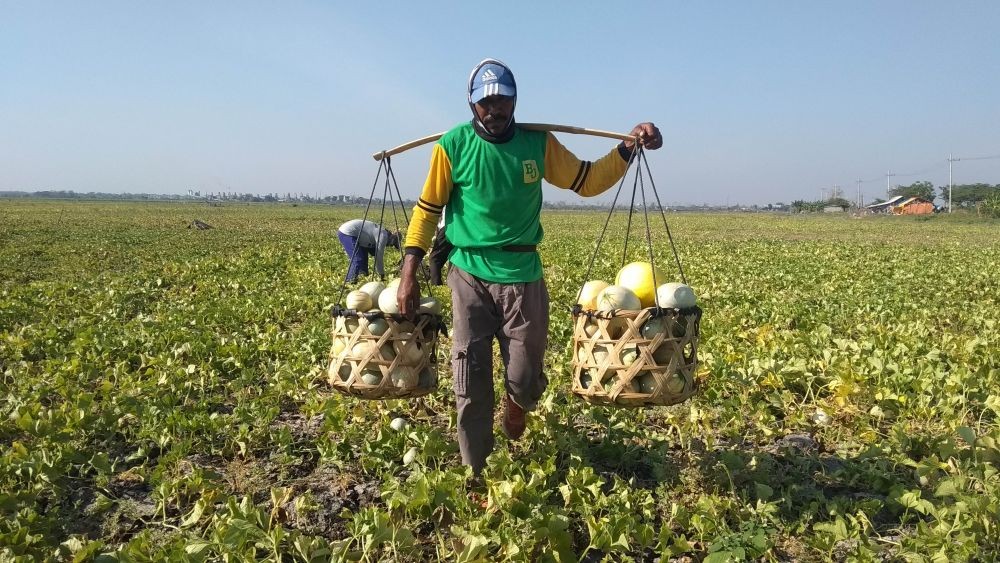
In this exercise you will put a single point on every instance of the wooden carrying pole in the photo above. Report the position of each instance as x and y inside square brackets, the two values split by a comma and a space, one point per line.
[529, 126]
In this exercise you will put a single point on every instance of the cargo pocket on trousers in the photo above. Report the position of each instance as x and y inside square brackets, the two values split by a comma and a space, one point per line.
[460, 372]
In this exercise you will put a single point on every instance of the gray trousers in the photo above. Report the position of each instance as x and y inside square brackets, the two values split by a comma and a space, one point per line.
[517, 315]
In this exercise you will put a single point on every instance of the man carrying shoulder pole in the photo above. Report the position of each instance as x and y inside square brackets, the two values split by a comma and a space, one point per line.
[489, 172]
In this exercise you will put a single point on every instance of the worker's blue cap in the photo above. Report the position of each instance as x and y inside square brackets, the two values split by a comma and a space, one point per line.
[491, 78]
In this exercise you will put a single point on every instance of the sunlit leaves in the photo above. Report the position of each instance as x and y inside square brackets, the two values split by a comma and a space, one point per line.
[160, 399]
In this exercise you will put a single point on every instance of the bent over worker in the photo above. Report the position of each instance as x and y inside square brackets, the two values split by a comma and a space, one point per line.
[361, 238]
[489, 172]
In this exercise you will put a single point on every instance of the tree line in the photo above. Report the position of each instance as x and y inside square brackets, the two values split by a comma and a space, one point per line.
[962, 195]
[977, 196]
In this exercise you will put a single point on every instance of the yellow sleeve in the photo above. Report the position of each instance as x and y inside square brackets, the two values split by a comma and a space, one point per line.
[564, 170]
[433, 198]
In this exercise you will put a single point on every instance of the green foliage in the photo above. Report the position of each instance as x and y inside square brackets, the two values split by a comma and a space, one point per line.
[160, 400]
[921, 188]
[990, 205]
[968, 195]
[800, 206]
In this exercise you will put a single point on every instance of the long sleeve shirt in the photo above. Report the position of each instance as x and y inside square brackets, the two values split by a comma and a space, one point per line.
[494, 199]
[371, 237]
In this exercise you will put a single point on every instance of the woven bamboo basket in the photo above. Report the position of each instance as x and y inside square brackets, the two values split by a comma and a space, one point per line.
[614, 364]
[376, 355]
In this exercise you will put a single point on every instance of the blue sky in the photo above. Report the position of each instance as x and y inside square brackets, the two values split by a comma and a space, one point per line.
[758, 101]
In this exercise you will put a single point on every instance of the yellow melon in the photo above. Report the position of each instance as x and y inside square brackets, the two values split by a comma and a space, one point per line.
[641, 278]
[588, 295]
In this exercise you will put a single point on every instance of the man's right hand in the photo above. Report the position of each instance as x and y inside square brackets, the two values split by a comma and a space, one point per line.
[408, 292]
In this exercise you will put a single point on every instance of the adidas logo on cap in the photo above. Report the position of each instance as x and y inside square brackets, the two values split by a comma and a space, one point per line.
[489, 75]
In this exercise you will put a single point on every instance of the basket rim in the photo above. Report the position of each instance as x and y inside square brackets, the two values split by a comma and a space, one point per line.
[655, 311]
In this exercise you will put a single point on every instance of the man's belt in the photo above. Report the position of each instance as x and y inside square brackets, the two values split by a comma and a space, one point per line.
[520, 248]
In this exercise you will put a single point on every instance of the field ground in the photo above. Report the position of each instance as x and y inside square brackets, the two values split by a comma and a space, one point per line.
[160, 399]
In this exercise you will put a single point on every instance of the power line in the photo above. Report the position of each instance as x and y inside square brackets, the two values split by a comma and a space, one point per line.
[979, 157]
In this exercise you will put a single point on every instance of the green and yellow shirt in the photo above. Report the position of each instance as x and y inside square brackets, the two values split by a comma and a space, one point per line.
[493, 194]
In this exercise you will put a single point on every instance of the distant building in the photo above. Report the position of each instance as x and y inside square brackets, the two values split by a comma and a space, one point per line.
[885, 206]
[914, 206]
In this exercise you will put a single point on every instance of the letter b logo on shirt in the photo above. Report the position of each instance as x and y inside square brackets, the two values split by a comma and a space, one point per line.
[530, 171]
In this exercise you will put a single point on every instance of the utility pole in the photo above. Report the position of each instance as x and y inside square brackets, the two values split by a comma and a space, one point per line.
[951, 182]
[861, 201]
[888, 187]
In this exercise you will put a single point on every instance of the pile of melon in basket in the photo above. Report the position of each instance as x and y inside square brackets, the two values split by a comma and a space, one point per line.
[377, 353]
[635, 343]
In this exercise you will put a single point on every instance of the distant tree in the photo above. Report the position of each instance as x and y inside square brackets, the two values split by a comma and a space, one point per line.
[968, 195]
[920, 188]
[837, 202]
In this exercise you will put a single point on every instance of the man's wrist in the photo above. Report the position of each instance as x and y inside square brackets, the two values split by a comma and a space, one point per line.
[415, 251]
[625, 152]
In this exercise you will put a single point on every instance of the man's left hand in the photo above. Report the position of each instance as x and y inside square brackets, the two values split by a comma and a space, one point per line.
[648, 135]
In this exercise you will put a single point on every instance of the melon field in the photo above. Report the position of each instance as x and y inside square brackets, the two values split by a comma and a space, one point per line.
[163, 397]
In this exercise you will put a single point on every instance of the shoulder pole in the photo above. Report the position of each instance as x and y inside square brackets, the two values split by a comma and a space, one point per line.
[529, 126]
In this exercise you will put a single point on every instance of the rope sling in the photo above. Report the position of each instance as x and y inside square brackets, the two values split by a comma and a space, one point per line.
[635, 358]
[379, 354]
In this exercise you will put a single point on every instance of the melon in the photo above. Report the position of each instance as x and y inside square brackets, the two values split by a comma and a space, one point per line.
[641, 279]
[394, 282]
[410, 456]
[403, 377]
[408, 349]
[361, 350]
[589, 293]
[675, 295]
[654, 326]
[663, 354]
[676, 383]
[345, 371]
[615, 297]
[630, 387]
[339, 345]
[430, 305]
[378, 326]
[428, 378]
[590, 329]
[373, 289]
[388, 352]
[616, 327]
[358, 300]
[601, 354]
[387, 300]
[346, 325]
[371, 376]
[647, 382]
[398, 424]
[629, 356]
[585, 379]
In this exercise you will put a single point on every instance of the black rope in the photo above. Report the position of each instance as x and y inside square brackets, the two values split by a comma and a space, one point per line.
[424, 272]
[406, 219]
[593, 257]
[381, 223]
[631, 207]
[364, 219]
[649, 236]
[666, 227]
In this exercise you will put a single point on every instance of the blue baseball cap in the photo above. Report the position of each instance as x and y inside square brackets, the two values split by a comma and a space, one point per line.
[491, 78]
